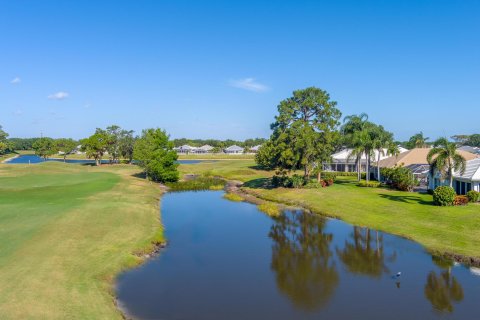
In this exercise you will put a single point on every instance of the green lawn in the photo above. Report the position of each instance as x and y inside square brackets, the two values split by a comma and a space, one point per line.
[67, 231]
[412, 215]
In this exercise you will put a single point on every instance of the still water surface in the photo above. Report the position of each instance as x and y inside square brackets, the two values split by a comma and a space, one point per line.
[227, 260]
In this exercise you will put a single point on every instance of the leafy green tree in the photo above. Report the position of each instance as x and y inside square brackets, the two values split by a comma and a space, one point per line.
[154, 153]
[22, 143]
[5, 145]
[3, 135]
[473, 140]
[460, 139]
[267, 156]
[113, 145]
[417, 141]
[45, 147]
[66, 146]
[96, 145]
[126, 144]
[304, 131]
[445, 158]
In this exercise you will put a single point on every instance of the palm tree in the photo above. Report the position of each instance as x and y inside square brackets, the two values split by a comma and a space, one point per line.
[445, 158]
[353, 125]
[385, 145]
[418, 141]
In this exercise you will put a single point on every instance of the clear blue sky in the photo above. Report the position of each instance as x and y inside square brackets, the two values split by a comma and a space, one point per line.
[218, 69]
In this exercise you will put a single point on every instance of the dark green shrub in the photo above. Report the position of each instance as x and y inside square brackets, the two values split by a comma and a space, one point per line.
[369, 184]
[473, 196]
[444, 196]
[279, 181]
[329, 175]
[430, 191]
[296, 181]
[460, 201]
[400, 178]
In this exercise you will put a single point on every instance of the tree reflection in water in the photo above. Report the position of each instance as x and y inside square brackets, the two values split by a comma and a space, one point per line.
[301, 259]
[443, 289]
[365, 255]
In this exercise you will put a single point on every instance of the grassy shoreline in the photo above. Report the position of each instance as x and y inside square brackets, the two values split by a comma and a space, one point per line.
[67, 232]
[442, 230]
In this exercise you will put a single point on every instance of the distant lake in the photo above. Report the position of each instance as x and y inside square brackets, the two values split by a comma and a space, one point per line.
[227, 260]
[31, 158]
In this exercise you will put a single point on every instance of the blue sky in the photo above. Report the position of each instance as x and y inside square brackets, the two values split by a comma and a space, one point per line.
[217, 69]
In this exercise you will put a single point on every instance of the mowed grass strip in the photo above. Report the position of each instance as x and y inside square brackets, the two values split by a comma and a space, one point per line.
[67, 231]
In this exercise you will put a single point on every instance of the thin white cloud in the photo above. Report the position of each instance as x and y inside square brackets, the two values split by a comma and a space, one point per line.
[61, 95]
[248, 84]
[16, 80]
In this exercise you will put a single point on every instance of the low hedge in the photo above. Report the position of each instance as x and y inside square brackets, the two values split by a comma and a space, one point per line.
[444, 196]
[369, 184]
[347, 174]
[473, 196]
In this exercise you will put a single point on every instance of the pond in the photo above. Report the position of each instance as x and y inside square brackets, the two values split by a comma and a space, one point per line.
[32, 159]
[227, 260]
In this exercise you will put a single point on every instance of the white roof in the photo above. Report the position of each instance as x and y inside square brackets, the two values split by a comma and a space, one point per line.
[206, 147]
[345, 153]
[256, 147]
[185, 147]
[472, 171]
[470, 149]
[234, 148]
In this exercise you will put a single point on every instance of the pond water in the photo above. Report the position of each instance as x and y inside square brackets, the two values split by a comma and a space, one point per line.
[227, 260]
[31, 158]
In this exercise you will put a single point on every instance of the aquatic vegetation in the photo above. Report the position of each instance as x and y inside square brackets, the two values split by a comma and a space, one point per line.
[270, 209]
[233, 197]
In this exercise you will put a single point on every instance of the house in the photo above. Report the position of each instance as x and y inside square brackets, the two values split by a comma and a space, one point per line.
[255, 148]
[462, 183]
[204, 149]
[233, 150]
[78, 150]
[185, 149]
[344, 161]
[415, 160]
[475, 150]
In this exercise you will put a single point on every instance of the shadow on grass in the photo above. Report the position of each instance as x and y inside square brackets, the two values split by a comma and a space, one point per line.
[257, 167]
[140, 175]
[406, 199]
[346, 182]
[260, 183]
